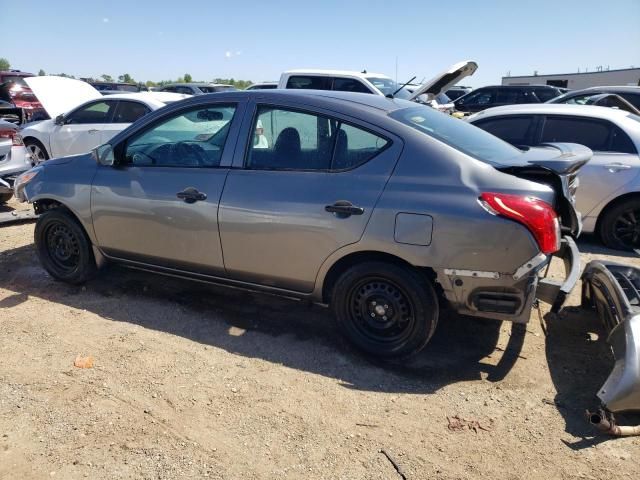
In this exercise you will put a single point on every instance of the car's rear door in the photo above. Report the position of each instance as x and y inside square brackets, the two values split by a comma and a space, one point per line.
[301, 193]
[615, 159]
[159, 206]
[82, 128]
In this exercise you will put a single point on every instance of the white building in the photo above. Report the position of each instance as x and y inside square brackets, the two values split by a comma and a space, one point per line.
[624, 76]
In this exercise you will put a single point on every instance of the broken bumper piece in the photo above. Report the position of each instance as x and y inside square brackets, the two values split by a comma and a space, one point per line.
[613, 290]
[555, 292]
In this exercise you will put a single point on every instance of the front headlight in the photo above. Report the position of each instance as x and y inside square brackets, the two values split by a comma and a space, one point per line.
[26, 177]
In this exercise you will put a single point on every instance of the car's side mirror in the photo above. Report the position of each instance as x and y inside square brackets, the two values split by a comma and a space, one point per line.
[59, 120]
[104, 155]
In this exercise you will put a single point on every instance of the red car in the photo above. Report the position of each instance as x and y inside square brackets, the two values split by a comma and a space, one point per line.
[13, 89]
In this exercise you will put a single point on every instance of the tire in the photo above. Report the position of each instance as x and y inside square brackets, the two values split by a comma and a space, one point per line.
[38, 153]
[5, 197]
[63, 247]
[386, 310]
[620, 225]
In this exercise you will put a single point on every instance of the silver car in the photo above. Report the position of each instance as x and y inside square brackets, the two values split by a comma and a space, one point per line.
[609, 196]
[378, 207]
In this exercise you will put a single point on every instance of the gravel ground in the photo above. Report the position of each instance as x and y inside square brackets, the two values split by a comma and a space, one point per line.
[195, 381]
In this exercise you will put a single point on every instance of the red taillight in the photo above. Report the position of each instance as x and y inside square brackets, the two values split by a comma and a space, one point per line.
[538, 216]
[16, 139]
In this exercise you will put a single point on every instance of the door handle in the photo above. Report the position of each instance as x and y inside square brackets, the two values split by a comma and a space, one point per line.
[616, 167]
[191, 195]
[93, 130]
[344, 209]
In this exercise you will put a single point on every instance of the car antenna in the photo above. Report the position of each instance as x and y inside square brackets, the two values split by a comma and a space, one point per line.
[405, 84]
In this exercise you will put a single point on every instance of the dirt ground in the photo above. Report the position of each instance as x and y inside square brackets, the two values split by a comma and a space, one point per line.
[194, 381]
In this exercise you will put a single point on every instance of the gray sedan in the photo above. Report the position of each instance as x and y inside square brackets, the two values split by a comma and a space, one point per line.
[378, 207]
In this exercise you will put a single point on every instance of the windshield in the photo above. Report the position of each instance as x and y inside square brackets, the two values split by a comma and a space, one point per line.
[17, 79]
[388, 87]
[458, 134]
[127, 88]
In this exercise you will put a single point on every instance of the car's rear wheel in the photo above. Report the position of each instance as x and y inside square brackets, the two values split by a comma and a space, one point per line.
[36, 149]
[63, 247]
[620, 225]
[386, 310]
[5, 197]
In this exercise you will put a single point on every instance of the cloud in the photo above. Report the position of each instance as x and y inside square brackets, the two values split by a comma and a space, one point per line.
[230, 53]
[105, 20]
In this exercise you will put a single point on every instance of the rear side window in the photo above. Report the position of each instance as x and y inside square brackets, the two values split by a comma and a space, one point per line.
[349, 85]
[632, 98]
[293, 140]
[309, 82]
[129, 112]
[591, 133]
[517, 130]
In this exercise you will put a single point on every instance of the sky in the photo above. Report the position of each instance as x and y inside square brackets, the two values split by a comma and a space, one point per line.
[258, 40]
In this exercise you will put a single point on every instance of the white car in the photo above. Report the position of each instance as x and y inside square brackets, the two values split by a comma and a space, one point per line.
[609, 192]
[375, 83]
[81, 117]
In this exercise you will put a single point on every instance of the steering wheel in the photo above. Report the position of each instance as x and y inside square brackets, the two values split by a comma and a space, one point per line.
[188, 150]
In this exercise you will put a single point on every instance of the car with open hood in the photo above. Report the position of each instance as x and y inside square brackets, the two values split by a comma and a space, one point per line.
[382, 208]
[375, 83]
[81, 118]
[609, 197]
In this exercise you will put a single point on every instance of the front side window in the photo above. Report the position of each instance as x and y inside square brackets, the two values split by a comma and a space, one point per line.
[129, 112]
[591, 133]
[462, 136]
[632, 98]
[481, 97]
[293, 140]
[195, 138]
[508, 95]
[98, 112]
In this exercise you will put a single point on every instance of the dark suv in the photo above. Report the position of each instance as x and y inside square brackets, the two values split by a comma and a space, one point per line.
[495, 96]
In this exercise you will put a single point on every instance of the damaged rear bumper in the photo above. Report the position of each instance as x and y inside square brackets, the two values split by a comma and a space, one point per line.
[511, 297]
[613, 290]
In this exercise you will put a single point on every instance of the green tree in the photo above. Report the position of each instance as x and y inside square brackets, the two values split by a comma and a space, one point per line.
[4, 64]
[150, 83]
[41, 73]
[64, 75]
[106, 78]
[187, 78]
[126, 78]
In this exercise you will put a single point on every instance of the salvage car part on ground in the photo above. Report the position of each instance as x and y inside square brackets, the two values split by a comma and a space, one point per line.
[613, 290]
[378, 207]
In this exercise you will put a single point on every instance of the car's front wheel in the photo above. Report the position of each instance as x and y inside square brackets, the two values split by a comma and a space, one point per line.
[36, 149]
[620, 225]
[385, 309]
[63, 247]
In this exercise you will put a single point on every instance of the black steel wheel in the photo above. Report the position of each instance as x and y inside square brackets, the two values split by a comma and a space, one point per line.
[385, 309]
[63, 247]
[620, 226]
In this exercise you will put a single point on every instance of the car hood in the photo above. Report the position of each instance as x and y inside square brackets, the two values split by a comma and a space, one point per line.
[59, 94]
[445, 80]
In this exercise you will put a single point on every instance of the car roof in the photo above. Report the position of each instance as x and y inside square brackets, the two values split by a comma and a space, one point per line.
[553, 108]
[519, 86]
[146, 97]
[351, 73]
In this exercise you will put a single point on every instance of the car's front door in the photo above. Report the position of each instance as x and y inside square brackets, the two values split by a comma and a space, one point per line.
[82, 129]
[615, 159]
[306, 187]
[159, 205]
